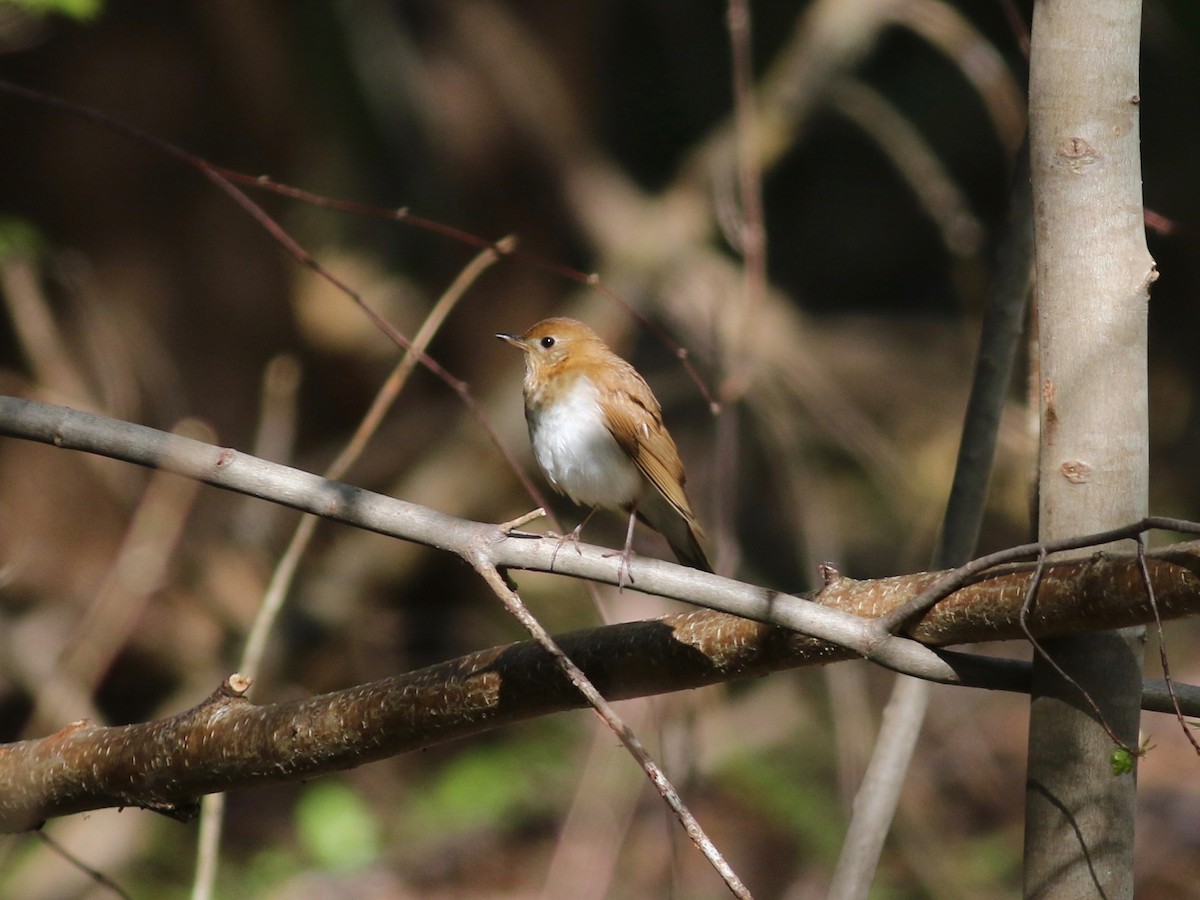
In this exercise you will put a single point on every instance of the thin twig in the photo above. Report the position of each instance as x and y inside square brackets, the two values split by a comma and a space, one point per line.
[752, 233]
[274, 438]
[1030, 594]
[1023, 619]
[965, 574]
[208, 845]
[748, 235]
[516, 607]
[1000, 334]
[285, 571]
[138, 570]
[219, 177]
[93, 873]
[1162, 646]
[403, 214]
[242, 473]
[212, 813]
[875, 802]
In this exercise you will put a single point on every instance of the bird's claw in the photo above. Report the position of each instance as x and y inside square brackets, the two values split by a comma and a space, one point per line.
[624, 567]
[572, 538]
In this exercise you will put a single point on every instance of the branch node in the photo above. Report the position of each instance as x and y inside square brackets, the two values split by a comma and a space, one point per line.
[829, 575]
[236, 685]
[506, 528]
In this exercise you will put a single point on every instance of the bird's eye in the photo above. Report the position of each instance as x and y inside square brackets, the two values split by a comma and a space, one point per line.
[547, 342]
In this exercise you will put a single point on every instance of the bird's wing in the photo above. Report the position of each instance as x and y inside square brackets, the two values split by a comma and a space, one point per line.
[635, 420]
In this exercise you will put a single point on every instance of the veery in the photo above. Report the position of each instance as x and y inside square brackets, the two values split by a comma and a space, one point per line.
[598, 435]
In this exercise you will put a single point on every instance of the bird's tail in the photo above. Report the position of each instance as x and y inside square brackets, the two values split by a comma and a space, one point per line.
[682, 531]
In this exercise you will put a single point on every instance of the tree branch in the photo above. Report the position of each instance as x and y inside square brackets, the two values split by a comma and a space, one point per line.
[227, 742]
[837, 616]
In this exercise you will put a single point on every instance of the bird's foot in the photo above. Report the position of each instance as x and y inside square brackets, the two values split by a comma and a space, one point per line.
[624, 570]
[571, 538]
[624, 567]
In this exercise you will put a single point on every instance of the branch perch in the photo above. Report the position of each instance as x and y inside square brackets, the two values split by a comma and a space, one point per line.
[228, 742]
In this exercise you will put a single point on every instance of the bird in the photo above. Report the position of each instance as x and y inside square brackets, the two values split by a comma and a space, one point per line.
[598, 436]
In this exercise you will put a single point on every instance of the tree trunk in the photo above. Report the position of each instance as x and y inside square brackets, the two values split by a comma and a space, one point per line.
[1092, 274]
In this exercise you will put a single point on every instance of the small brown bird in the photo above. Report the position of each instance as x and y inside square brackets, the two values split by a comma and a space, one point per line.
[598, 435]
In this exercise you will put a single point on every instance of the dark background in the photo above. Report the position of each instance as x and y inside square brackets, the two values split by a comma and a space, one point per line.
[168, 301]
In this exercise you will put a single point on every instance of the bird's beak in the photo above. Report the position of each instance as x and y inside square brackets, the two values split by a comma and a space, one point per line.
[513, 339]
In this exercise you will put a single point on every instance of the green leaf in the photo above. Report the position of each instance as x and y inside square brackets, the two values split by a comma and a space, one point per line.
[80, 10]
[1122, 761]
[18, 238]
[336, 827]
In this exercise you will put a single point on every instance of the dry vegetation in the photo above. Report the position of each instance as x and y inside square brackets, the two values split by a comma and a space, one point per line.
[598, 135]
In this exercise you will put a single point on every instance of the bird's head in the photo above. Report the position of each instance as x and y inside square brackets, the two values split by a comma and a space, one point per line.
[553, 346]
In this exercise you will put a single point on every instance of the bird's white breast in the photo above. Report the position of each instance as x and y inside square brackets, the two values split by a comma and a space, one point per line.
[576, 451]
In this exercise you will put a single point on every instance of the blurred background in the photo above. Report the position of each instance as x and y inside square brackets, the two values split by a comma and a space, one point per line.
[599, 135]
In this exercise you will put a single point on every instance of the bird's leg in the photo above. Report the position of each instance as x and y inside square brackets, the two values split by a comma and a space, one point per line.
[571, 538]
[624, 572]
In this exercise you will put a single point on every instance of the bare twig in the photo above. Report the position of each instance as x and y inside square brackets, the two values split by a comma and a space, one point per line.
[1162, 646]
[751, 233]
[273, 438]
[999, 338]
[93, 873]
[1106, 577]
[285, 571]
[219, 177]
[876, 800]
[516, 607]
[137, 572]
[1030, 598]
[208, 845]
[403, 214]
[913, 157]
[957, 578]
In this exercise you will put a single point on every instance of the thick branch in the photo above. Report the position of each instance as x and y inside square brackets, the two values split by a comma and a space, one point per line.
[227, 742]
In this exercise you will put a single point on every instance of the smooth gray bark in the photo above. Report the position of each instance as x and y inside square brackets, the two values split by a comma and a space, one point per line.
[1092, 277]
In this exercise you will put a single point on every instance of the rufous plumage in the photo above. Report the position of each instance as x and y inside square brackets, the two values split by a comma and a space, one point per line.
[598, 435]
